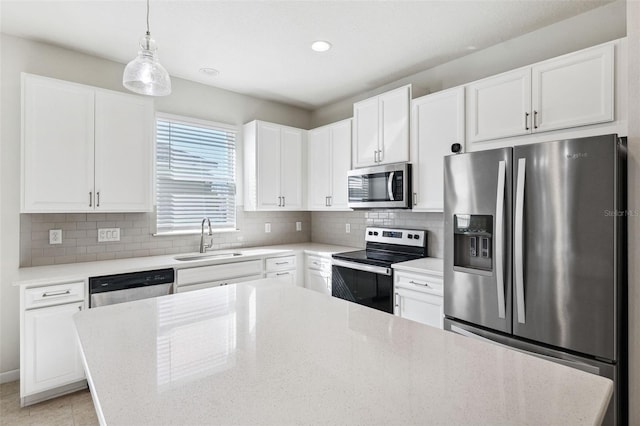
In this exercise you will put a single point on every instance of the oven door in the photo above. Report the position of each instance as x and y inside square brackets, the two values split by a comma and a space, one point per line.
[366, 285]
[380, 187]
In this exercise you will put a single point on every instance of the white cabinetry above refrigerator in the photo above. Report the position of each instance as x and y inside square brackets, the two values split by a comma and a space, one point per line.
[84, 149]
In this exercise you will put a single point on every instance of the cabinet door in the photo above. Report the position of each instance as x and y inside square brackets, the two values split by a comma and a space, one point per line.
[51, 352]
[291, 168]
[288, 277]
[574, 90]
[366, 132]
[319, 166]
[499, 107]
[123, 152]
[419, 307]
[318, 281]
[394, 116]
[437, 123]
[57, 146]
[268, 166]
[340, 164]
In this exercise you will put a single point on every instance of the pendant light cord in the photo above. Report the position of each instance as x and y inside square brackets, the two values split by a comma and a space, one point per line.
[148, 33]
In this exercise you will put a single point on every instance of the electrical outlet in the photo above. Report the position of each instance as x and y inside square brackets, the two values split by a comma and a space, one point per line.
[347, 228]
[108, 234]
[55, 236]
[298, 226]
[267, 227]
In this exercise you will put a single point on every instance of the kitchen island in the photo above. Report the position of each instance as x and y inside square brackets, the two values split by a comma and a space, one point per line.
[269, 353]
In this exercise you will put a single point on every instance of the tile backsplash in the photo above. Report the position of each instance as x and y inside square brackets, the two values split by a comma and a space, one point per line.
[329, 227]
[80, 235]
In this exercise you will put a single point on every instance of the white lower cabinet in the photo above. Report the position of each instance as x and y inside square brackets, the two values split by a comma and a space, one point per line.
[418, 297]
[318, 274]
[51, 362]
[282, 268]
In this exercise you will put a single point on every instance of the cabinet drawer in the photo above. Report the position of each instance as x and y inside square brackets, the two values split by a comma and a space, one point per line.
[280, 263]
[218, 272]
[419, 282]
[318, 263]
[210, 284]
[285, 276]
[54, 295]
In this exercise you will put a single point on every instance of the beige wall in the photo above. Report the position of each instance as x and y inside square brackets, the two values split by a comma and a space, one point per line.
[188, 98]
[588, 29]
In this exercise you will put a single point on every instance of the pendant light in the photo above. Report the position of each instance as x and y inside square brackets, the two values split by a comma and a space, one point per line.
[145, 75]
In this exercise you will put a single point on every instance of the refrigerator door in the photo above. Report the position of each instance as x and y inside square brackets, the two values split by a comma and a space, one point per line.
[477, 271]
[565, 244]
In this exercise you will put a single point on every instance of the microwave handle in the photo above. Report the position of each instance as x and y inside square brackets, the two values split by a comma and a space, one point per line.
[390, 186]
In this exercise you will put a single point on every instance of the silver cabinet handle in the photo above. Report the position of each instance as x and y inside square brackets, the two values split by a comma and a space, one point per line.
[284, 201]
[526, 121]
[375, 156]
[415, 198]
[330, 200]
[535, 119]
[316, 263]
[380, 155]
[397, 302]
[56, 293]
[282, 263]
[279, 201]
[518, 239]
[98, 199]
[419, 283]
[79, 308]
[499, 244]
[282, 273]
[90, 199]
[390, 186]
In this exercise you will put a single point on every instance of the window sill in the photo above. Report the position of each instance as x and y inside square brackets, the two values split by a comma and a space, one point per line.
[194, 232]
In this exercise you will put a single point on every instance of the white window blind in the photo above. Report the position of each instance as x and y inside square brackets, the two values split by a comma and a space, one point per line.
[195, 175]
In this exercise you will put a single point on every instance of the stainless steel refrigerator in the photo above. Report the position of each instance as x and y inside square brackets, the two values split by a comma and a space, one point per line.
[535, 253]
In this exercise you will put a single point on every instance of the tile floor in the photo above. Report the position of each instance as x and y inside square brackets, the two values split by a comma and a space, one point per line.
[75, 409]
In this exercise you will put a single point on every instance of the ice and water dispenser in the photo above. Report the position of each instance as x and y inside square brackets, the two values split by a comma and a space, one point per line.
[472, 242]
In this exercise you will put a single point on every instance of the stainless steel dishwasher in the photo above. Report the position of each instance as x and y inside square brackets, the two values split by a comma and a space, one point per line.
[112, 289]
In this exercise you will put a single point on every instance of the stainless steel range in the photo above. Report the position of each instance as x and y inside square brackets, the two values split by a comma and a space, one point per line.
[365, 276]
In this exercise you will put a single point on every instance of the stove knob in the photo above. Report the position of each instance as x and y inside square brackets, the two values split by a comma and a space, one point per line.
[416, 236]
[370, 233]
[375, 233]
[410, 236]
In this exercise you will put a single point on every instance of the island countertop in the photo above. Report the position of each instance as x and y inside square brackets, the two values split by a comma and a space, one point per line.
[263, 352]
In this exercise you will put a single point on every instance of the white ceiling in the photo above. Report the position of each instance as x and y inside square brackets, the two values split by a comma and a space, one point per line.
[262, 48]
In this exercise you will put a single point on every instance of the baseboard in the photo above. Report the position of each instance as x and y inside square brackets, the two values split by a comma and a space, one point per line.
[10, 376]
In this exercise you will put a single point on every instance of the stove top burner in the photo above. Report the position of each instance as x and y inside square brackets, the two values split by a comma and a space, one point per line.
[377, 257]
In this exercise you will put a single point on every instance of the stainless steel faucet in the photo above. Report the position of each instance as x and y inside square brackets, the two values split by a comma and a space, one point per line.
[203, 245]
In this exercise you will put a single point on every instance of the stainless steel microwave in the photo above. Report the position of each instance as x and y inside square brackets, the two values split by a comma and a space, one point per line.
[380, 187]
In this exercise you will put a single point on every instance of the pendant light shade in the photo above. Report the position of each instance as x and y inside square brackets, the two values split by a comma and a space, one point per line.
[145, 75]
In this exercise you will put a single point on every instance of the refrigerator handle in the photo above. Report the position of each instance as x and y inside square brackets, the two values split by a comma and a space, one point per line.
[518, 239]
[499, 244]
[390, 186]
[570, 363]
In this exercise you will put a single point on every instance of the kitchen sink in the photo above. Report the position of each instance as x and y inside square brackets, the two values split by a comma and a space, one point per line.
[202, 256]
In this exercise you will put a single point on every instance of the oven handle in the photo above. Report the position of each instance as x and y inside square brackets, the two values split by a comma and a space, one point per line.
[390, 186]
[363, 267]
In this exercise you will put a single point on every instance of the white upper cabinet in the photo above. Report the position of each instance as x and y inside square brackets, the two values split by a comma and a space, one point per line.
[381, 128]
[123, 148]
[329, 160]
[84, 149]
[565, 92]
[437, 122]
[499, 106]
[573, 90]
[273, 167]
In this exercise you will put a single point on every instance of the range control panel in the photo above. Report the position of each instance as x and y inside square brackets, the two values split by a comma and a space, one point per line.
[407, 237]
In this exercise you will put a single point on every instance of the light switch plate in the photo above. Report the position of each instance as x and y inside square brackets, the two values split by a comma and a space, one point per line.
[55, 236]
[347, 228]
[267, 227]
[108, 234]
[298, 226]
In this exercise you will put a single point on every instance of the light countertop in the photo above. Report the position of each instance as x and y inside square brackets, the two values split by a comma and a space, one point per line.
[269, 353]
[428, 265]
[52, 274]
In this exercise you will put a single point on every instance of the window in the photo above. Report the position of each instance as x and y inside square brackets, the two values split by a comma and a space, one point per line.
[195, 174]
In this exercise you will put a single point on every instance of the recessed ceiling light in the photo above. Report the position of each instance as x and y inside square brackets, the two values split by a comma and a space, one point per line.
[211, 72]
[321, 46]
